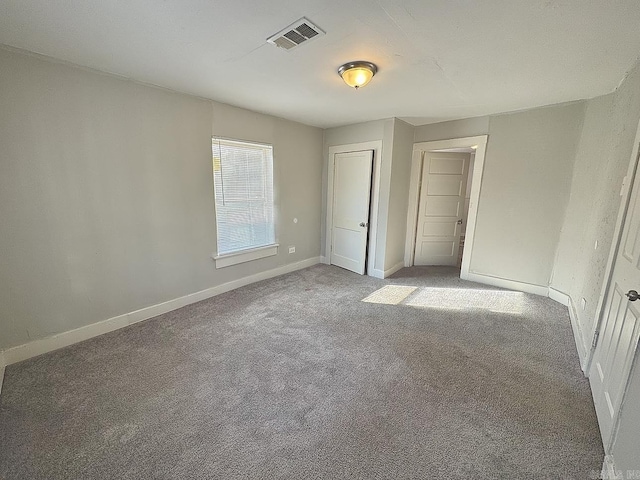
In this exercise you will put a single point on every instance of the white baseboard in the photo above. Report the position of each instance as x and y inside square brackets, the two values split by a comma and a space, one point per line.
[377, 273]
[394, 269]
[583, 349]
[504, 283]
[581, 346]
[325, 260]
[559, 297]
[609, 471]
[38, 347]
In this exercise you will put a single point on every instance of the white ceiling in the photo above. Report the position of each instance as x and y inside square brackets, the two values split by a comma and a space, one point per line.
[438, 59]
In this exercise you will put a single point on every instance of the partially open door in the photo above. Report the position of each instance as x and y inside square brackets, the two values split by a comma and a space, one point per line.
[351, 198]
[620, 329]
[441, 208]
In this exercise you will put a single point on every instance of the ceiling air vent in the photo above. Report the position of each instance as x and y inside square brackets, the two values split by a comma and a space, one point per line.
[295, 34]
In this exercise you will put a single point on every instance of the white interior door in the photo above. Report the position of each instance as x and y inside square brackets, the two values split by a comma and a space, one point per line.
[618, 339]
[442, 196]
[350, 220]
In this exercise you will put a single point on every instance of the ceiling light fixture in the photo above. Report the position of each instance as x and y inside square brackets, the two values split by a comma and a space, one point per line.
[357, 74]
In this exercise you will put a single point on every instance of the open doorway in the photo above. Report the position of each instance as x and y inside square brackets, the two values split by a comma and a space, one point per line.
[443, 202]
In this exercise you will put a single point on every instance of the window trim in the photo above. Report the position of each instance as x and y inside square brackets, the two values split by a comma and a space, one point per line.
[246, 255]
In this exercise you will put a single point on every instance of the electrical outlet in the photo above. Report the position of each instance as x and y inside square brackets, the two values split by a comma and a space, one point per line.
[292, 249]
[583, 303]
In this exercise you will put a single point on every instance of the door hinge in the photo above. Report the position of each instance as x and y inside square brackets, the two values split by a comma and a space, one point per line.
[595, 339]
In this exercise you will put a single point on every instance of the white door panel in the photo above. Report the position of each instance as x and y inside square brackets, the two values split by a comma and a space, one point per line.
[444, 163]
[437, 248]
[445, 185]
[350, 219]
[440, 227]
[620, 329]
[442, 197]
[437, 206]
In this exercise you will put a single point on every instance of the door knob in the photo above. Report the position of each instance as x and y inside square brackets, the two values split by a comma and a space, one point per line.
[632, 295]
[459, 222]
[362, 224]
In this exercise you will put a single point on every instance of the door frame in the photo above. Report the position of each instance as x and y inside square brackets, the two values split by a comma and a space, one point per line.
[625, 198]
[414, 194]
[376, 146]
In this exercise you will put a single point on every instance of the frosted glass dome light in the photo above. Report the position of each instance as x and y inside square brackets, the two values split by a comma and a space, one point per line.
[357, 74]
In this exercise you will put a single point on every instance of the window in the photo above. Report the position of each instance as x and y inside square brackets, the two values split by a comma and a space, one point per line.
[243, 187]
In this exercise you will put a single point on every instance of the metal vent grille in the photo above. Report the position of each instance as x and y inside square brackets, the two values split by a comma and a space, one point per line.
[307, 31]
[295, 37]
[295, 34]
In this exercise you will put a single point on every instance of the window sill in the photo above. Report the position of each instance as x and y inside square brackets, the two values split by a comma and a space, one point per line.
[243, 256]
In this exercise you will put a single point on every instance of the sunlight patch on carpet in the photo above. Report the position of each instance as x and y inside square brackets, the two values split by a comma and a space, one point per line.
[450, 298]
[390, 294]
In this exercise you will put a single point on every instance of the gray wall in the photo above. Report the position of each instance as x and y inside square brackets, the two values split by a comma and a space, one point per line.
[525, 186]
[398, 193]
[601, 163]
[106, 195]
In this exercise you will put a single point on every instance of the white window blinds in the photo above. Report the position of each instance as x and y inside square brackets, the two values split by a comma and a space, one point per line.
[243, 187]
